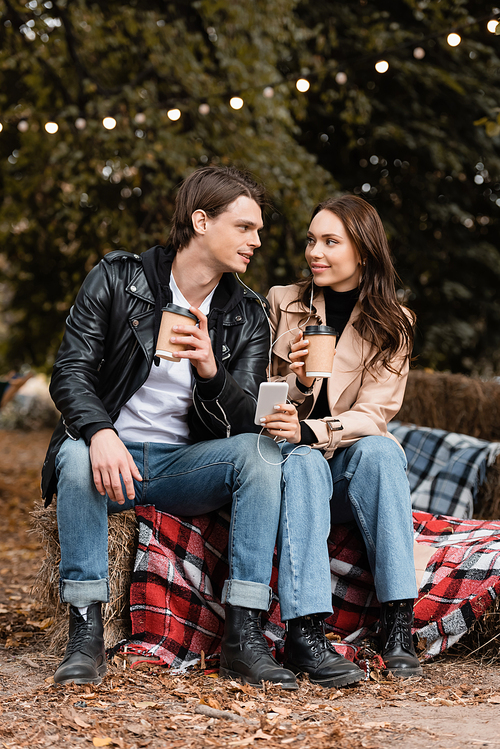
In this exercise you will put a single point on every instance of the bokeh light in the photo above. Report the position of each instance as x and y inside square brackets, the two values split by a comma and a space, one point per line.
[492, 26]
[382, 66]
[303, 85]
[453, 39]
[204, 108]
[236, 102]
[174, 114]
[419, 53]
[51, 127]
[109, 123]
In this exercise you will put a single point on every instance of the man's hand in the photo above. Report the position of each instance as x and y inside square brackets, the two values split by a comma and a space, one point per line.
[111, 460]
[283, 423]
[201, 355]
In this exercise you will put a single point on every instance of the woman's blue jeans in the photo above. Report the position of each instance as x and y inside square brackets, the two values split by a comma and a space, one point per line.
[287, 506]
[370, 486]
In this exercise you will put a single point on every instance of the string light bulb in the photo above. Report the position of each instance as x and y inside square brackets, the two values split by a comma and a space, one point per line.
[453, 39]
[1, 127]
[268, 92]
[341, 78]
[204, 108]
[80, 123]
[236, 102]
[492, 26]
[302, 85]
[382, 66]
[174, 114]
[51, 127]
[109, 123]
[419, 53]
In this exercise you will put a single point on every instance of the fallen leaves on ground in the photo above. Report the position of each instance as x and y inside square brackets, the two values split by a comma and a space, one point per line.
[154, 708]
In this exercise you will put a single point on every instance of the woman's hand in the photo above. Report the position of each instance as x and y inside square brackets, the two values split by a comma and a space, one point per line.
[298, 353]
[283, 423]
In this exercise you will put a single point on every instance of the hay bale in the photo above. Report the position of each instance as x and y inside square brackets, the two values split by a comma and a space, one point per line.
[457, 403]
[122, 548]
[453, 402]
[481, 641]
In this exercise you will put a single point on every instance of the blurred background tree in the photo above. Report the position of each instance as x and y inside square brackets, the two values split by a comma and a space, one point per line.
[404, 139]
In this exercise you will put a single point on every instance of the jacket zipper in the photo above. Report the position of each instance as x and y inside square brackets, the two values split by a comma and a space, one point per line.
[136, 343]
[225, 422]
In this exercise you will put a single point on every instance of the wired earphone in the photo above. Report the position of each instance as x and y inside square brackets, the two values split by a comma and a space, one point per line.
[272, 345]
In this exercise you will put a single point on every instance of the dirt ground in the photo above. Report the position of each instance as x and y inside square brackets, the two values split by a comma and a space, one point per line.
[455, 704]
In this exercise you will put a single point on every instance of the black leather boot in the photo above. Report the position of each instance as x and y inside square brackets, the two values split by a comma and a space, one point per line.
[85, 659]
[244, 652]
[399, 655]
[307, 650]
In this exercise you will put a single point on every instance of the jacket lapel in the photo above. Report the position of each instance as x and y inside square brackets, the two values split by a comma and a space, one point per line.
[348, 362]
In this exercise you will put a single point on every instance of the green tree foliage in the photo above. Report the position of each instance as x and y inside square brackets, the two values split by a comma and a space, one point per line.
[405, 140]
[70, 197]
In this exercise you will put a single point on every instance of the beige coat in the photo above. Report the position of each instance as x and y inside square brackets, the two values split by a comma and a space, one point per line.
[363, 401]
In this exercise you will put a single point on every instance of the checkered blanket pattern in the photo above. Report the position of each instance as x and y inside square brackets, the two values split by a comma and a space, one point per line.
[181, 566]
[444, 469]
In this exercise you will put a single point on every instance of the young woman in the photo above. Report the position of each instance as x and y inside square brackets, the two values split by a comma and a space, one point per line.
[352, 288]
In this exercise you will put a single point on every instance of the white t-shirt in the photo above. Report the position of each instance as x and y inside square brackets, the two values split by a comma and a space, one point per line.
[157, 412]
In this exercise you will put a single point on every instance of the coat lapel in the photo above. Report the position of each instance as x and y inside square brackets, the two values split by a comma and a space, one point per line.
[351, 349]
[348, 362]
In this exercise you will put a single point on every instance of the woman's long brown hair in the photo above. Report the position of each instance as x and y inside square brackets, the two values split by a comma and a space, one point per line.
[383, 322]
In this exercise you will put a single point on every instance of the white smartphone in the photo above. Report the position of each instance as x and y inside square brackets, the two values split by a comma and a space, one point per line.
[271, 394]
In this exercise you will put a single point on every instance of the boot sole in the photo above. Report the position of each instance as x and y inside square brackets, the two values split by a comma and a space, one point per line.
[225, 673]
[344, 680]
[101, 672]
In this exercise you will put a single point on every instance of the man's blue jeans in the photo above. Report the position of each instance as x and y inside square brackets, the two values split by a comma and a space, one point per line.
[370, 486]
[287, 505]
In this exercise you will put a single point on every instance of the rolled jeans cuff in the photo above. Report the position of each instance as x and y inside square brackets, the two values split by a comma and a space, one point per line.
[84, 592]
[246, 594]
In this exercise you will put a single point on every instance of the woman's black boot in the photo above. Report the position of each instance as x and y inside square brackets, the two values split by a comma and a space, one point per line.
[85, 659]
[307, 650]
[398, 652]
[245, 654]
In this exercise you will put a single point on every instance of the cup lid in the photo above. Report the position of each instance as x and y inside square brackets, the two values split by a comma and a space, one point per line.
[178, 311]
[320, 330]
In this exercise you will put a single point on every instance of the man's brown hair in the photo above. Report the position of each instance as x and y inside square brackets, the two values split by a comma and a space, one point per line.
[211, 189]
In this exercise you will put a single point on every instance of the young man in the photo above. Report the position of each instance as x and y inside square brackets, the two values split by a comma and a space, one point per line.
[179, 435]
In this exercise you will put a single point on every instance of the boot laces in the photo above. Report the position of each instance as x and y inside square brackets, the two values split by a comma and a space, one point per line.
[252, 635]
[80, 635]
[314, 631]
[400, 632]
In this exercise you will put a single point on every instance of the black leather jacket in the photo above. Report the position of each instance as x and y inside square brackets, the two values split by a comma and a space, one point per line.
[107, 352]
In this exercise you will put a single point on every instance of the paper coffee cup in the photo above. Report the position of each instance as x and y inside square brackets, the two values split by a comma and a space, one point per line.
[322, 340]
[172, 315]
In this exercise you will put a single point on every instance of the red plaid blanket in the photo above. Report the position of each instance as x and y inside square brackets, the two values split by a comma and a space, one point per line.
[181, 566]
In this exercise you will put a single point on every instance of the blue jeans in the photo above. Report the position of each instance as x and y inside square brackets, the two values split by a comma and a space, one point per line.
[286, 505]
[370, 486]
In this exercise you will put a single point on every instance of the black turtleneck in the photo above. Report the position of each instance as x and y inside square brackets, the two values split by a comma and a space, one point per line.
[339, 306]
